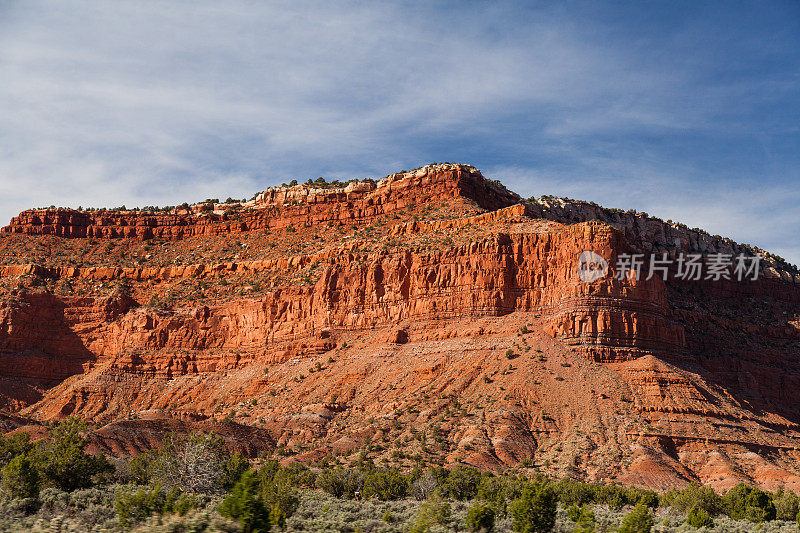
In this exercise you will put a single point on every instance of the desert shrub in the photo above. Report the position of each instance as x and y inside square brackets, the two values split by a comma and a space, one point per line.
[195, 462]
[615, 501]
[320, 511]
[341, 482]
[491, 489]
[585, 522]
[698, 517]
[787, 505]
[612, 495]
[90, 509]
[535, 509]
[573, 513]
[435, 511]
[278, 489]
[385, 485]
[139, 467]
[19, 478]
[499, 490]
[62, 462]
[462, 483]
[277, 517]
[422, 488]
[191, 522]
[298, 475]
[695, 496]
[747, 503]
[644, 496]
[233, 469]
[639, 520]
[480, 517]
[13, 446]
[246, 505]
[134, 506]
[15, 511]
[574, 492]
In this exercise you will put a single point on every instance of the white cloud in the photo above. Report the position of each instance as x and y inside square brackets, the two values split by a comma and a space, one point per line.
[105, 103]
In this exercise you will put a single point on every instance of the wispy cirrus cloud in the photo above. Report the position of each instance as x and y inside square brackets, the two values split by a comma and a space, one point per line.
[686, 111]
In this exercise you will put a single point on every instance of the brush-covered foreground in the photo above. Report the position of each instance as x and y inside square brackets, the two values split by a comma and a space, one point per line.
[94, 510]
[193, 483]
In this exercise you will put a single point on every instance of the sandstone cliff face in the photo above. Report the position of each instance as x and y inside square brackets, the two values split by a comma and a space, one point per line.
[297, 206]
[475, 329]
[652, 235]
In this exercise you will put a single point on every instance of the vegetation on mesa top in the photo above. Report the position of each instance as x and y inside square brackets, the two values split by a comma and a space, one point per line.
[547, 202]
[194, 479]
[232, 205]
[319, 183]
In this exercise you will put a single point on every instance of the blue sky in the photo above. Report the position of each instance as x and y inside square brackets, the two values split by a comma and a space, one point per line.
[686, 110]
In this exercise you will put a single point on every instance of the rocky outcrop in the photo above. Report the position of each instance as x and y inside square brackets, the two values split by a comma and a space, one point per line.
[494, 277]
[276, 208]
[474, 329]
[651, 235]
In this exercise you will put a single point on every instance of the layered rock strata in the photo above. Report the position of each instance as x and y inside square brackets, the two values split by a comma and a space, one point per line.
[482, 335]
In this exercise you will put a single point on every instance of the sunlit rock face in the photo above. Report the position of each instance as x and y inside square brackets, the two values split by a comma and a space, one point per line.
[322, 319]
